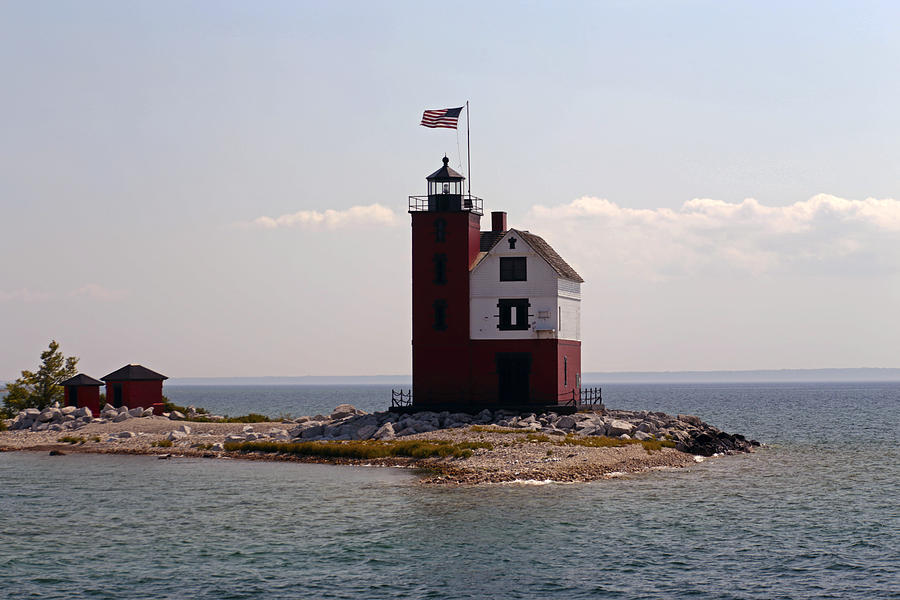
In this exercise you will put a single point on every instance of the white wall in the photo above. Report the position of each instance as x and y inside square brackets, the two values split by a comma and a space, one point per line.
[543, 289]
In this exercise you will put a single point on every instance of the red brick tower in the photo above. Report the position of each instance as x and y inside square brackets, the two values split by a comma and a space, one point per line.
[446, 227]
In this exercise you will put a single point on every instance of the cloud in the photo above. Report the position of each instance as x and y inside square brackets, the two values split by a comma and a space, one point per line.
[95, 291]
[372, 214]
[23, 295]
[822, 234]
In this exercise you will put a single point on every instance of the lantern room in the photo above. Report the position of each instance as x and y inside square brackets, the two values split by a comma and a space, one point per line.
[445, 190]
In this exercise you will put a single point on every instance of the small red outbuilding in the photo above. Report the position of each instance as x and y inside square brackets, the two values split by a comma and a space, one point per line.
[133, 386]
[83, 391]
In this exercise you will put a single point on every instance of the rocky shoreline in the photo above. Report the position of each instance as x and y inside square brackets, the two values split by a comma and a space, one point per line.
[513, 446]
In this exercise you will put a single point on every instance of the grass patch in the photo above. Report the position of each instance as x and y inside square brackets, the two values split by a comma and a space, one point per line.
[494, 429]
[363, 450]
[95, 438]
[600, 441]
[249, 418]
[3, 425]
[69, 439]
[163, 444]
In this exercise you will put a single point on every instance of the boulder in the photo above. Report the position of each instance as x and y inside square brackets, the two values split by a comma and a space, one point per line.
[123, 409]
[84, 411]
[174, 436]
[125, 435]
[642, 435]
[122, 416]
[68, 410]
[343, 410]
[566, 422]
[184, 429]
[47, 415]
[385, 432]
[218, 447]
[366, 431]
[690, 419]
[177, 416]
[312, 431]
[617, 427]
[232, 438]
[148, 412]
[31, 413]
[136, 412]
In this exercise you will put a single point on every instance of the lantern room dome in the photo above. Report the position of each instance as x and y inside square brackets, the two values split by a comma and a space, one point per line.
[445, 173]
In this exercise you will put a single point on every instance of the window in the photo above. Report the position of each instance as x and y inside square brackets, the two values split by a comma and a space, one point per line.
[440, 315]
[513, 314]
[440, 269]
[512, 243]
[513, 269]
[440, 230]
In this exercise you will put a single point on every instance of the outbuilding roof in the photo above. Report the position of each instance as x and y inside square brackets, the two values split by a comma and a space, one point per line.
[489, 239]
[133, 373]
[81, 379]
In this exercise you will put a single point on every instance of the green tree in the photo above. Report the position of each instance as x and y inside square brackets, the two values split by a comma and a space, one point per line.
[40, 389]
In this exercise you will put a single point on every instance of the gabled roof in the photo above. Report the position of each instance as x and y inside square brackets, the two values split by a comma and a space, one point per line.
[489, 239]
[133, 373]
[81, 379]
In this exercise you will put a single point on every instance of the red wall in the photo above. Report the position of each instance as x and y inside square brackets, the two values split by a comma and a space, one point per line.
[441, 358]
[136, 393]
[571, 350]
[88, 395]
[542, 381]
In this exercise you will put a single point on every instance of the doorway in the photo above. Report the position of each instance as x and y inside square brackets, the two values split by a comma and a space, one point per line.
[117, 395]
[513, 370]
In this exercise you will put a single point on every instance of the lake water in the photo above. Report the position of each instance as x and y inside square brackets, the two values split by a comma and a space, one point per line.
[816, 514]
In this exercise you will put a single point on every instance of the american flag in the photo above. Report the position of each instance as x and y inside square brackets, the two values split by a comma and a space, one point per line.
[445, 117]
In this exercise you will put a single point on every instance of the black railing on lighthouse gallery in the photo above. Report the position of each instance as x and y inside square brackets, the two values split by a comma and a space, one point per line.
[452, 202]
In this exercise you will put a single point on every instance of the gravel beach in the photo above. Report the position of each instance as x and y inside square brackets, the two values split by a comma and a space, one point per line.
[521, 452]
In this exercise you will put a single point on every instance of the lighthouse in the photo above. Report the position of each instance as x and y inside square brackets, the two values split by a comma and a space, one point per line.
[496, 314]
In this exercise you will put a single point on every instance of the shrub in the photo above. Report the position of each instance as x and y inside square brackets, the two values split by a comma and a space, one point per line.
[600, 441]
[493, 429]
[363, 450]
[249, 418]
[169, 406]
[163, 443]
[68, 439]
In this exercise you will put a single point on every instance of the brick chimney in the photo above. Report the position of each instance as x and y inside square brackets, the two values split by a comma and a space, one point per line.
[498, 221]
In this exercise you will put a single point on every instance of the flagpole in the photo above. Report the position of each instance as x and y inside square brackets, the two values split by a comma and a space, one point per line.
[468, 148]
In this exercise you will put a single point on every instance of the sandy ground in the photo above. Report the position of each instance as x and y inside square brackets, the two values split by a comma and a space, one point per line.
[513, 457]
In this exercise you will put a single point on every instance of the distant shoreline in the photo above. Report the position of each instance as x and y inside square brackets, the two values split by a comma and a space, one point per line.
[856, 375]
[589, 379]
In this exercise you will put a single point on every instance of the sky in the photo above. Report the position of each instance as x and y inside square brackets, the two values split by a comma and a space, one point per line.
[220, 188]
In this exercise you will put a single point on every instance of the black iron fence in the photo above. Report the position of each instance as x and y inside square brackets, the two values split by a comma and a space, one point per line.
[587, 398]
[400, 398]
